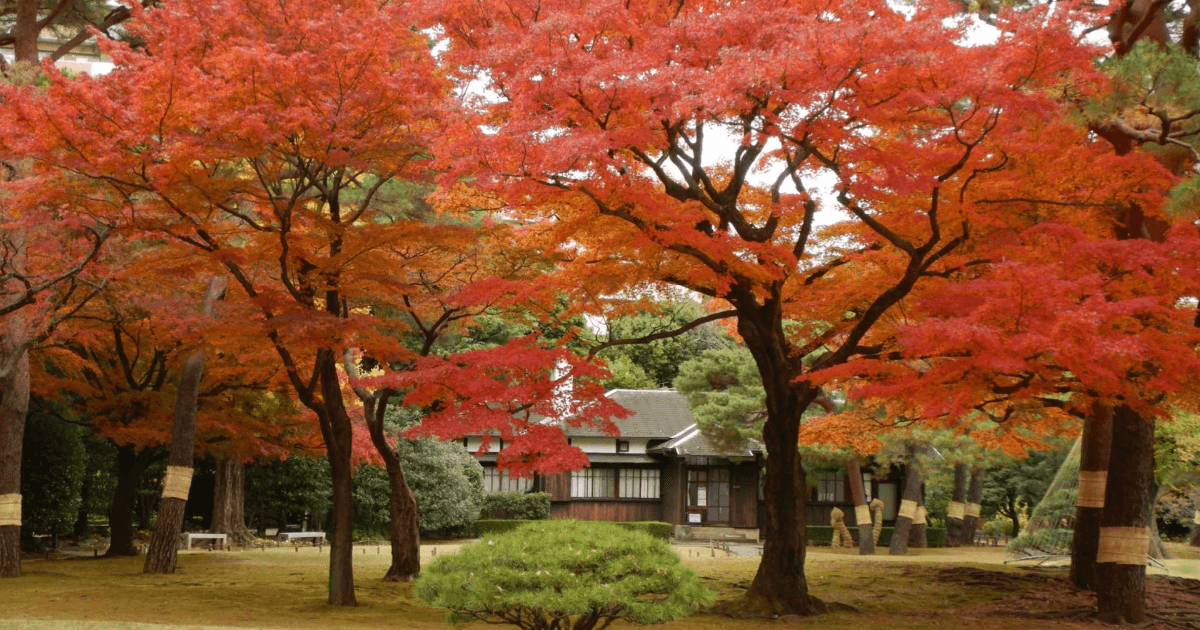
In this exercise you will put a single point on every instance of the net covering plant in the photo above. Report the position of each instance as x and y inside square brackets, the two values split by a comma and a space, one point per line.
[563, 575]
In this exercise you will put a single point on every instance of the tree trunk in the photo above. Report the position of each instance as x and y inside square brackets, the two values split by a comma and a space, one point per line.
[1194, 541]
[14, 407]
[161, 556]
[971, 510]
[956, 510]
[25, 32]
[1094, 447]
[229, 500]
[404, 529]
[1125, 522]
[918, 538]
[131, 463]
[336, 431]
[908, 508]
[779, 586]
[862, 512]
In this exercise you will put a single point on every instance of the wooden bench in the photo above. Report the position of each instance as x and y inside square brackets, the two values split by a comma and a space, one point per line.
[188, 536]
[290, 536]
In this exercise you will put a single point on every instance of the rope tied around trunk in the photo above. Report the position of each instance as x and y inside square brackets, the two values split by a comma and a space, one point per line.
[177, 482]
[10, 509]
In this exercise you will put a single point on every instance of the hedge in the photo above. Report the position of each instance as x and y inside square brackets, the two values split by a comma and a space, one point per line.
[657, 529]
[485, 527]
[531, 506]
[821, 535]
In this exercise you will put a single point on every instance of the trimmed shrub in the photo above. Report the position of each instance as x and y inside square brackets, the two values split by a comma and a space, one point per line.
[657, 529]
[533, 506]
[573, 574]
[494, 526]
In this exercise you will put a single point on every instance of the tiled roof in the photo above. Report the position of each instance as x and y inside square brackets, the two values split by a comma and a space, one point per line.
[691, 442]
[656, 413]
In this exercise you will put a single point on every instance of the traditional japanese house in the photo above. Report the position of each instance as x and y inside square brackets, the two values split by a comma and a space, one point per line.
[661, 468]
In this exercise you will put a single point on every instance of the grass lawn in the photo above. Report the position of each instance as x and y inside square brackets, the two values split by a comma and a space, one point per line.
[283, 588]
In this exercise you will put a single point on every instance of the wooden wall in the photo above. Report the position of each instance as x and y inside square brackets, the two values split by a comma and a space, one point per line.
[743, 496]
[557, 486]
[584, 510]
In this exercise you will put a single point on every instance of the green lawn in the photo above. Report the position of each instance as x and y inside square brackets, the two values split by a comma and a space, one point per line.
[284, 588]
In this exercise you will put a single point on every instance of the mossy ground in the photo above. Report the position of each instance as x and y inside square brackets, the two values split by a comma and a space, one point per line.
[284, 588]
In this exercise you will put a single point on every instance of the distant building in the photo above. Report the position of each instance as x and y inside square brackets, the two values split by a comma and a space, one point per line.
[661, 468]
[85, 58]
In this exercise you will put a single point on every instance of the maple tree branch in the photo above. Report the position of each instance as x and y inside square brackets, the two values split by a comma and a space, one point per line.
[111, 19]
[843, 197]
[31, 290]
[1049, 202]
[837, 262]
[711, 317]
[351, 368]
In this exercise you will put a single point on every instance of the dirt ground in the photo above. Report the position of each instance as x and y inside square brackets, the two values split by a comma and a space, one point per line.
[285, 588]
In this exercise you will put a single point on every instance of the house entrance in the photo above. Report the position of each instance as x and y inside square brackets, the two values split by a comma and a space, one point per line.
[708, 496]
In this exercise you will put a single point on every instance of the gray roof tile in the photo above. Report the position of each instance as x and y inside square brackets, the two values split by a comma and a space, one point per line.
[656, 413]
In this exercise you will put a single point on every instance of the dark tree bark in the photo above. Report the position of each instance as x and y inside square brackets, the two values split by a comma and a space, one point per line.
[229, 501]
[1094, 447]
[971, 511]
[779, 585]
[918, 538]
[956, 510]
[404, 530]
[161, 556]
[327, 402]
[14, 407]
[131, 464]
[908, 505]
[25, 32]
[1125, 523]
[862, 512]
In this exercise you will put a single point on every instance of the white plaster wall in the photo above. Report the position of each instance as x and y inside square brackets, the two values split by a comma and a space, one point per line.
[473, 444]
[595, 444]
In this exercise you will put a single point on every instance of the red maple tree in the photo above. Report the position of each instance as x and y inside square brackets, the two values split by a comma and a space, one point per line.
[684, 144]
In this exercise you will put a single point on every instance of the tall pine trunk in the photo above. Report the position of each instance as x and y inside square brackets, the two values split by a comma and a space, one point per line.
[862, 512]
[918, 538]
[908, 506]
[971, 510]
[1194, 541]
[14, 407]
[1125, 522]
[956, 511]
[1095, 445]
[229, 501]
[161, 556]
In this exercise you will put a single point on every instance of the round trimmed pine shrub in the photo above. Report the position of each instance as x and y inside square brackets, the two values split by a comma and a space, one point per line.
[576, 575]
